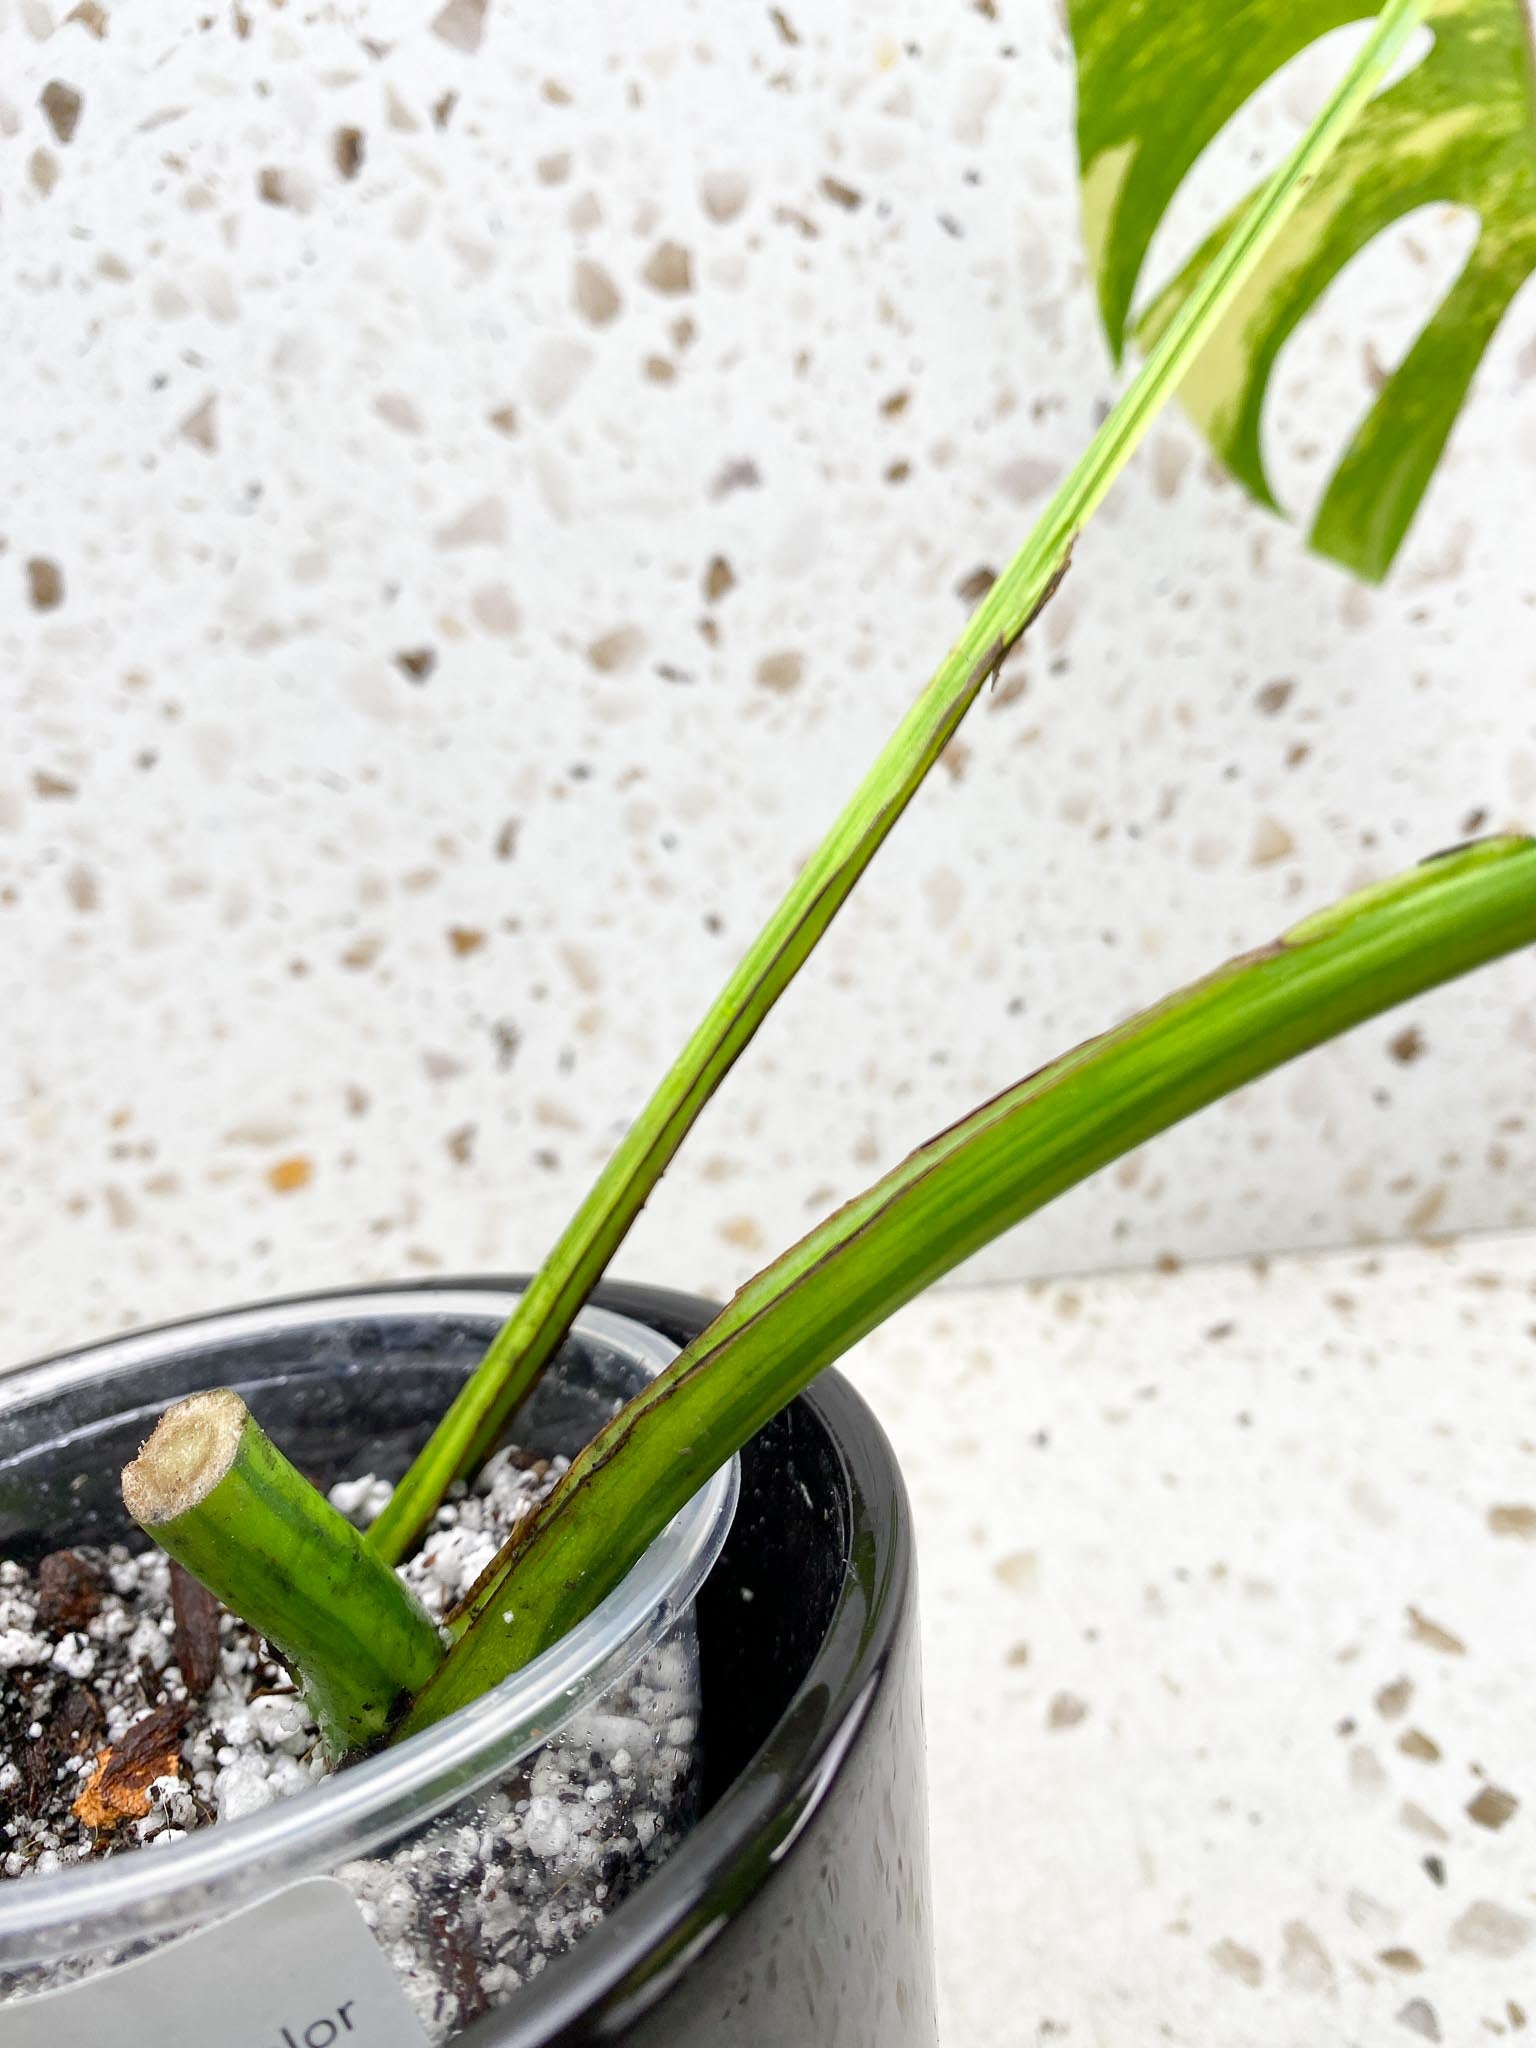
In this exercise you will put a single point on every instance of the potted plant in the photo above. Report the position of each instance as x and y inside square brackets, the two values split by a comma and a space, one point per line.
[518, 1751]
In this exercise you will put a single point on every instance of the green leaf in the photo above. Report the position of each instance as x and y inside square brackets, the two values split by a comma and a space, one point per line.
[521, 1348]
[1158, 79]
[954, 1195]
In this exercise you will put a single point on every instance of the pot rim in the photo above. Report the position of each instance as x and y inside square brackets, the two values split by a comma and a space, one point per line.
[348, 1814]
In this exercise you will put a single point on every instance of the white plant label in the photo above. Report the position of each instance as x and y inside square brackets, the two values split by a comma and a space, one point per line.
[300, 1970]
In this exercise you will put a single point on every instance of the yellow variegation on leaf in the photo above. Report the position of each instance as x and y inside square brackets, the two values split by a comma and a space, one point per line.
[1158, 79]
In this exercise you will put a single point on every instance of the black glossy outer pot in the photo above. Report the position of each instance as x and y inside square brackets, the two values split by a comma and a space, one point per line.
[796, 1914]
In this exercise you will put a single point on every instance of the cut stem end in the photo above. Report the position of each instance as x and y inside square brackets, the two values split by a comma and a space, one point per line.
[191, 1449]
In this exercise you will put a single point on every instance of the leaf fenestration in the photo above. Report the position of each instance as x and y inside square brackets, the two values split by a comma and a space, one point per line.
[1157, 81]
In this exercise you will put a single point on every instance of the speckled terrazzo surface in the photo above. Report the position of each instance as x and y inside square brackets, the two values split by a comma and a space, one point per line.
[480, 483]
[1227, 1586]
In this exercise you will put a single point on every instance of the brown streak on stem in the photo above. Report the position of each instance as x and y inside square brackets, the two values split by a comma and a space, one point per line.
[879, 826]
[989, 666]
[923, 1162]
[1428, 860]
[1050, 589]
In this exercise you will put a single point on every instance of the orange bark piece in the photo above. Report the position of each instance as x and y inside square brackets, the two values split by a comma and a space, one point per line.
[118, 1788]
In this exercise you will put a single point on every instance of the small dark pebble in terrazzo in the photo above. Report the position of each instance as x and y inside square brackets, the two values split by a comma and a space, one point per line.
[1418, 2016]
[45, 583]
[62, 104]
[1492, 1807]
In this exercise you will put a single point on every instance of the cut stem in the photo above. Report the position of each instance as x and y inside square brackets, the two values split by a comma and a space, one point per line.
[954, 1195]
[218, 1496]
[474, 1423]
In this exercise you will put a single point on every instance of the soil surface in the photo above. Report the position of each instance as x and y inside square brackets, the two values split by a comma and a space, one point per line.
[134, 1710]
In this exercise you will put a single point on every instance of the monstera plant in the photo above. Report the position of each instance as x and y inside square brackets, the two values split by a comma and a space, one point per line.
[1158, 79]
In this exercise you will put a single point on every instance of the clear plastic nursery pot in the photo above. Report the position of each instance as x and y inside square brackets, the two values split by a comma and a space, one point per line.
[350, 1385]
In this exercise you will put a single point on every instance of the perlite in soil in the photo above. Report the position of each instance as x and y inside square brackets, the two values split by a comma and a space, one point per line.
[92, 1649]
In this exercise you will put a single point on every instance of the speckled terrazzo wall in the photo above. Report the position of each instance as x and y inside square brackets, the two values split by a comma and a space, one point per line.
[479, 485]
[1223, 1578]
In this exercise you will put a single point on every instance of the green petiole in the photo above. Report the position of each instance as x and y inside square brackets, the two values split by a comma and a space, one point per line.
[475, 1421]
[998, 1165]
[216, 1494]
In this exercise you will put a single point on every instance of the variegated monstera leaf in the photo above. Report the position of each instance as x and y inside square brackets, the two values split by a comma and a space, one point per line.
[1157, 79]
